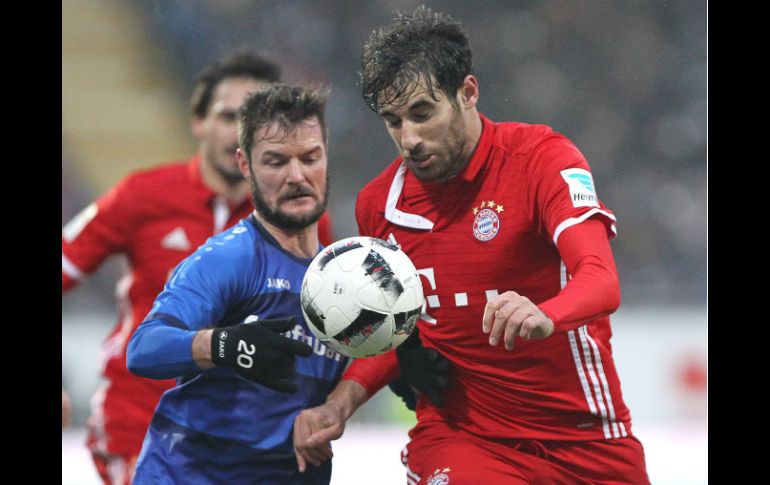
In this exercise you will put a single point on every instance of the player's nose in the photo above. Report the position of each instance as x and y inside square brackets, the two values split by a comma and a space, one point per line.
[294, 171]
[410, 138]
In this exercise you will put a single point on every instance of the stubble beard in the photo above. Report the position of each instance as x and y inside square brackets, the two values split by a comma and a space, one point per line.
[454, 161]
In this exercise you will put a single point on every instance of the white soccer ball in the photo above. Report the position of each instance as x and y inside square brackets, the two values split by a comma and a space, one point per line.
[361, 296]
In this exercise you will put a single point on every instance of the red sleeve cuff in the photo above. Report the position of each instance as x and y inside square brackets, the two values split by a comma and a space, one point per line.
[373, 373]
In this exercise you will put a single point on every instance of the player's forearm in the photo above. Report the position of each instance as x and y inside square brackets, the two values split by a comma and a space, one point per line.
[348, 396]
[159, 351]
[70, 274]
[594, 290]
[373, 373]
[592, 293]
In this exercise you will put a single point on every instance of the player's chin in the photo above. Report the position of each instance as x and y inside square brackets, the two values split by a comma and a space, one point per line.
[430, 174]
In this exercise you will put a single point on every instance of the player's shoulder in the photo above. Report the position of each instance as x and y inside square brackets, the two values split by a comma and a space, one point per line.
[518, 137]
[232, 248]
[158, 179]
[377, 189]
[539, 146]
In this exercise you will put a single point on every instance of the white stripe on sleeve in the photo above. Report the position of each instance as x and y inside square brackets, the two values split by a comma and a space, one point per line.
[69, 268]
[567, 223]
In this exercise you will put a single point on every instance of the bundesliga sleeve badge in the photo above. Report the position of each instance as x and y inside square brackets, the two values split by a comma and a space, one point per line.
[486, 224]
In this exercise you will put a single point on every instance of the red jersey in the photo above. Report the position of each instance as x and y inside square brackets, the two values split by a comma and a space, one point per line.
[156, 217]
[491, 229]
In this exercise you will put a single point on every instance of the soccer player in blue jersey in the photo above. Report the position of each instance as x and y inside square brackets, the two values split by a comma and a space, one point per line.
[228, 323]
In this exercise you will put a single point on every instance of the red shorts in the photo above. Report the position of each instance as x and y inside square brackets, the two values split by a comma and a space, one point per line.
[438, 454]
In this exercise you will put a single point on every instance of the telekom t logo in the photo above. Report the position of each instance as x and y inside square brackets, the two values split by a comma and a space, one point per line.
[432, 300]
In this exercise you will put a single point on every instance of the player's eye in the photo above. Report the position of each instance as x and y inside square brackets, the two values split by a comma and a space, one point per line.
[393, 122]
[228, 116]
[273, 161]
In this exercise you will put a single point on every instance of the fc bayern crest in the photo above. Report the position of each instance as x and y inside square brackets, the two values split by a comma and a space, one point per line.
[439, 477]
[486, 224]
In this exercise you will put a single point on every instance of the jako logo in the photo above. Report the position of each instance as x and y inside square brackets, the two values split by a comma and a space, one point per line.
[279, 283]
[222, 338]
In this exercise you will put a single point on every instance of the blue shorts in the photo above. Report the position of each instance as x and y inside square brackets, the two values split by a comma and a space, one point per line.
[172, 454]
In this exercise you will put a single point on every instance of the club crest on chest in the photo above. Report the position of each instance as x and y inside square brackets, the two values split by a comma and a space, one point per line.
[486, 223]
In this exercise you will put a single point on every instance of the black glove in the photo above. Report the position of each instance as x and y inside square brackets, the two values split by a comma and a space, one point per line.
[402, 389]
[259, 353]
[424, 369]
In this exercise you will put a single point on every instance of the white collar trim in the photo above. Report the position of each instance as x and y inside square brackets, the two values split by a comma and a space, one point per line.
[394, 215]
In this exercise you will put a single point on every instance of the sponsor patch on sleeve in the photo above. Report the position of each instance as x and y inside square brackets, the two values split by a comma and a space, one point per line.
[581, 187]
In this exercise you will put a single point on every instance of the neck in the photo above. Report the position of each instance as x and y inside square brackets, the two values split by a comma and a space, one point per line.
[231, 189]
[302, 243]
[473, 125]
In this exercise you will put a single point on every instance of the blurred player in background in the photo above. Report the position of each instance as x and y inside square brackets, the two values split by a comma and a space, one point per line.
[156, 217]
[218, 324]
[503, 221]
[66, 409]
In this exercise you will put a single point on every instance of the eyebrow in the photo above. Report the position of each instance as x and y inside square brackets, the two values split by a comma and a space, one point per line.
[272, 153]
[416, 105]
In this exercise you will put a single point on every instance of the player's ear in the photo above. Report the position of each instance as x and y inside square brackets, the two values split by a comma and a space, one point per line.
[243, 162]
[196, 127]
[468, 94]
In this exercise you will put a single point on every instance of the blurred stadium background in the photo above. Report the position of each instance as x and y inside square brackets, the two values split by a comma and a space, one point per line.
[625, 80]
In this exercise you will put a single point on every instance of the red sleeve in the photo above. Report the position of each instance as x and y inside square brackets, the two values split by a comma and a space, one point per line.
[363, 228]
[325, 235]
[594, 290]
[373, 373]
[561, 188]
[101, 229]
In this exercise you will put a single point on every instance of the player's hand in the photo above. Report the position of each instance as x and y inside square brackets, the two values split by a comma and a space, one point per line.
[314, 429]
[259, 352]
[407, 393]
[424, 369]
[511, 315]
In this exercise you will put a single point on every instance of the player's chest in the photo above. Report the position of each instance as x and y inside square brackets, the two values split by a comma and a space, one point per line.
[482, 243]
[474, 228]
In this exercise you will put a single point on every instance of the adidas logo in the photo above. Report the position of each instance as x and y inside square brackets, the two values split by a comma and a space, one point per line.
[176, 239]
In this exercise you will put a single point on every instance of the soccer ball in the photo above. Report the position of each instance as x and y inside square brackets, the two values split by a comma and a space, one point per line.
[361, 296]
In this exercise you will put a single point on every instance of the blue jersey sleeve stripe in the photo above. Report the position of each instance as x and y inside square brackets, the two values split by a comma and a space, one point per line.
[171, 320]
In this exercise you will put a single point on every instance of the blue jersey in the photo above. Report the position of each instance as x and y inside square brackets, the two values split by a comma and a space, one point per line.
[215, 421]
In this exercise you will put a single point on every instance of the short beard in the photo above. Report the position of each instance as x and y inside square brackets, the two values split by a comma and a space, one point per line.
[279, 218]
[458, 138]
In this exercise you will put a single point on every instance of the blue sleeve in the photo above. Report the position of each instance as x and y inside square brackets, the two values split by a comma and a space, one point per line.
[196, 297]
[160, 351]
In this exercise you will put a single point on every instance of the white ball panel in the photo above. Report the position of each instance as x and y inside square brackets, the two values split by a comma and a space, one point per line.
[343, 287]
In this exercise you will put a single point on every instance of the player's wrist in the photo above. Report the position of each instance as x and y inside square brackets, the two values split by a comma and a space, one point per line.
[348, 396]
[201, 349]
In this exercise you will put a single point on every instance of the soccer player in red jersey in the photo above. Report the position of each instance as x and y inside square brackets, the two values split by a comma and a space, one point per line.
[157, 217]
[504, 223]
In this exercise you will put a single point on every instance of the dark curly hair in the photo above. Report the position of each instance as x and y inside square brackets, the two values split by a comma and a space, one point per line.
[244, 63]
[424, 46]
[286, 105]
